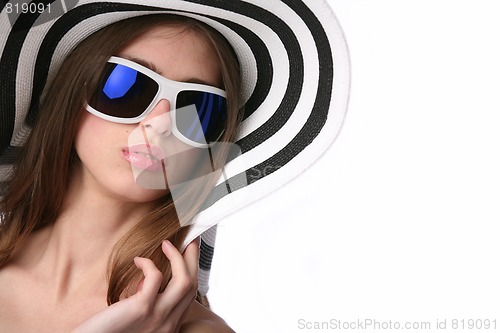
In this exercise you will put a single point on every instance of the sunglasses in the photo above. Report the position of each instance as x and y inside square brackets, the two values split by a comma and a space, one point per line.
[127, 92]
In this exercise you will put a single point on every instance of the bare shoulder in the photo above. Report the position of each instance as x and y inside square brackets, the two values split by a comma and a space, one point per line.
[199, 319]
[205, 326]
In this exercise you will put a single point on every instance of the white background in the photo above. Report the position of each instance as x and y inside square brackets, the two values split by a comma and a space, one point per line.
[399, 220]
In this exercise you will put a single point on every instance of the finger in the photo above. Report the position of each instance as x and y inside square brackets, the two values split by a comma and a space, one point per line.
[175, 315]
[180, 291]
[192, 258]
[182, 283]
[152, 277]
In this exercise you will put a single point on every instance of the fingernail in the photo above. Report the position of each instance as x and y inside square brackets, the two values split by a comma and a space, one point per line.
[167, 243]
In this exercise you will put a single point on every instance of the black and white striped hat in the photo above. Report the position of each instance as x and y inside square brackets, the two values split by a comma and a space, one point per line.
[294, 63]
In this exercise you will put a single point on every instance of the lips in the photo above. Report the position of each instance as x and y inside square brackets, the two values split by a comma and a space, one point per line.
[145, 157]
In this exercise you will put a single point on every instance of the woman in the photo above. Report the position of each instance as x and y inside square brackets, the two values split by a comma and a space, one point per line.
[73, 196]
[115, 180]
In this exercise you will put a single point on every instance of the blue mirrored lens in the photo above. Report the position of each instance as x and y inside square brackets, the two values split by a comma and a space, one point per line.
[123, 92]
[211, 110]
[119, 82]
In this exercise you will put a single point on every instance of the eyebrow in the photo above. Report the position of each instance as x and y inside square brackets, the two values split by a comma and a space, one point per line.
[144, 63]
[200, 81]
[152, 67]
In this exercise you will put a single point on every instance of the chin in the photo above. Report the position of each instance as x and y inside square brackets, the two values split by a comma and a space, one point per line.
[130, 191]
[139, 194]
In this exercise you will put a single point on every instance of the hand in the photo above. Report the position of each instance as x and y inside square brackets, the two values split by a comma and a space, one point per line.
[147, 310]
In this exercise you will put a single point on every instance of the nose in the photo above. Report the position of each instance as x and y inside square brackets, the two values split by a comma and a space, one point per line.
[159, 118]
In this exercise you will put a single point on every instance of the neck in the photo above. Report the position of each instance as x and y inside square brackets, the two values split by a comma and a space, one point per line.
[74, 251]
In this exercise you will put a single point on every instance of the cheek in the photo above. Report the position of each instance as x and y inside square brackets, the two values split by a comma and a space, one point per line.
[99, 145]
[97, 138]
[87, 124]
[86, 135]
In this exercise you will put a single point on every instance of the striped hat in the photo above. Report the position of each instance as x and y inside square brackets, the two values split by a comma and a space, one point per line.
[293, 60]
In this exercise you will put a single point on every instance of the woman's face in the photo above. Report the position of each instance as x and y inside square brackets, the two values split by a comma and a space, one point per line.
[133, 161]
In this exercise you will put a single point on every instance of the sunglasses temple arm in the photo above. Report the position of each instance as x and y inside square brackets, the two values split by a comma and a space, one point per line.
[223, 170]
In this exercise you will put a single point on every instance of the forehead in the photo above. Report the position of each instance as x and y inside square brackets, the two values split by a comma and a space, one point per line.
[177, 52]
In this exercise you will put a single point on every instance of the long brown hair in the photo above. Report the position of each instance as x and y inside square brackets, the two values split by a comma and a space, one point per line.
[36, 190]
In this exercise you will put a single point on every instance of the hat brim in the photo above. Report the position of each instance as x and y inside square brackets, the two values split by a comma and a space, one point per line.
[293, 58]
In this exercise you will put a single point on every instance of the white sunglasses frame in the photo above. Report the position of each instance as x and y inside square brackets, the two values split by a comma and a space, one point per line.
[168, 89]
